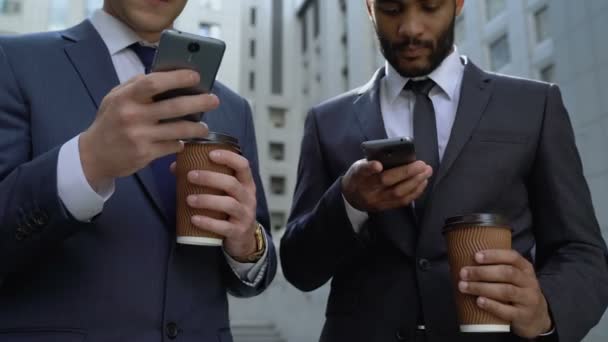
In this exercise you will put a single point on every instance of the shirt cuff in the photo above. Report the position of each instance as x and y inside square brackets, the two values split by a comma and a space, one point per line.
[356, 217]
[249, 273]
[75, 192]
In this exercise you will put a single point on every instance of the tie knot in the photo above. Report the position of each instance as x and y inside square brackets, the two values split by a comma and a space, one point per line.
[145, 53]
[420, 87]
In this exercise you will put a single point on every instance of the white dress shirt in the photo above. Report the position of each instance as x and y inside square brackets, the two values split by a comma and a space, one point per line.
[77, 195]
[397, 107]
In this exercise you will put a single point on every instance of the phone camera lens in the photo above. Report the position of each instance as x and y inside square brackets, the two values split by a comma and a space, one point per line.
[194, 47]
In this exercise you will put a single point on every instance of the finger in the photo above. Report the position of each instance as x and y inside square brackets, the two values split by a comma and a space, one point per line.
[180, 106]
[219, 181]
[503, 311]
[236, 162]
[173, 167]
[410, 185]
[223, 204]
[177, 130]
[505, 293]
[505, 274]
[219, 227]
[165, 148]
[399, 174]
[505, 257]
[146, 87]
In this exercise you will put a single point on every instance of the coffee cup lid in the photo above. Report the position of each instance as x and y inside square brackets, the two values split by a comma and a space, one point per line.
[215, 137]
[489, 220]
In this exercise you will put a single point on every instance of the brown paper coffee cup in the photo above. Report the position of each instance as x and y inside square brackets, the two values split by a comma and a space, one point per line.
[466, 235]
[195, 156]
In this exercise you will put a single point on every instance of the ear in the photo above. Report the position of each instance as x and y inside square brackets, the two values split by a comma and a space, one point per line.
[459, 6]
[368, 5]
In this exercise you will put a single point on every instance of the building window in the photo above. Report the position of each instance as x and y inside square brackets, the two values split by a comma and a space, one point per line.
[276, 54]
[304, 28]
[547, 73]
[214, 5]
[251, 80]
[253, 16]
[252, 48]
[460, 30]
[277, 185]
[277, 220]
[10, 7]
[500, 53]
[277, 151]
[277, 117]
[541, 23]
[494, 8]
[317, 18]
[210, 30]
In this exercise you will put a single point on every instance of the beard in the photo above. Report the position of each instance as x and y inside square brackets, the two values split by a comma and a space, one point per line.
[440, 49]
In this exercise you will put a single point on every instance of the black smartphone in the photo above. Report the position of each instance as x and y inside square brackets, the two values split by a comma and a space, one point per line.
[390, 152]
[181, 50]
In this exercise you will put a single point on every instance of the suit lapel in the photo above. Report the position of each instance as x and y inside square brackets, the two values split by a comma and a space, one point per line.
[91, 59]
[367, 109]
[474, 97]
[397, 224]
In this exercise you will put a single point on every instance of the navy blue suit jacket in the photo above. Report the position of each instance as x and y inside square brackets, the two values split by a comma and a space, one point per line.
[511, 151]
[121, 277]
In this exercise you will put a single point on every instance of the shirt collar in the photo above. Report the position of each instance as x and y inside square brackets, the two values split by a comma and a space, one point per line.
[115, 34]
[446, 76]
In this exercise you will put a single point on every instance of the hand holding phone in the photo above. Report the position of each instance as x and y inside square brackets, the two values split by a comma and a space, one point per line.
[180, 50]
[391, 152]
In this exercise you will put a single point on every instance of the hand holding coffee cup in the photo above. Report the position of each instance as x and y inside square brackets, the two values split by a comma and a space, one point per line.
[216, 196]
[497, 288]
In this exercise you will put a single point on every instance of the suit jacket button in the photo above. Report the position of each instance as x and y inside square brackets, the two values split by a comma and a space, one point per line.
[424, 264]
[172, 330]
[401, 336]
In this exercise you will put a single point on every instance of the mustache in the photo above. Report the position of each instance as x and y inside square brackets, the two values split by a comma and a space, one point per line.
[411, 43]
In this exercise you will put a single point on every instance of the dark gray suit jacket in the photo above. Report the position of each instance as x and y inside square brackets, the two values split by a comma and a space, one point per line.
[511, 152]
[121, 277]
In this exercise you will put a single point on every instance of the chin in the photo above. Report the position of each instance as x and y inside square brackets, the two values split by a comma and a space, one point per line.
[416, 69]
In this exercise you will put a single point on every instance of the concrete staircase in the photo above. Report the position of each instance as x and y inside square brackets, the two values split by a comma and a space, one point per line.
[256, 332]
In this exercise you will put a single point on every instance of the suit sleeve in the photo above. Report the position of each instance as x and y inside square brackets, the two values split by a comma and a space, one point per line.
[571, 255]
[249, 149]
[319, 236]
[32, 217]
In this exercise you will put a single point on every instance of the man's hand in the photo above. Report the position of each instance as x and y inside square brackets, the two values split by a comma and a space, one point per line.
[126, 134]
[507, 287]
[239, 203]
[368, 188]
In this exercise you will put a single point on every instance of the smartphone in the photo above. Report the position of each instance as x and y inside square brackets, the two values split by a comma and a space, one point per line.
[391, 152]
[181, 50]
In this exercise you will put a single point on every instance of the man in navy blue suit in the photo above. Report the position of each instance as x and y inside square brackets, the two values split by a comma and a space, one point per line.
[87, 241]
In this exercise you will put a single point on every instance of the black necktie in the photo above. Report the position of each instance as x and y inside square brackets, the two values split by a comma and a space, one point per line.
[425, 134]
[165, 180]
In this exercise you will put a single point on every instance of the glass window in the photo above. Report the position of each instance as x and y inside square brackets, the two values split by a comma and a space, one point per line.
[10, 7]
[541, 23]
[317, 18]
[277, 151]
[277, 220]
[547, 73]
[252, 16]
[304, 30]
[252, 48]
[277, 185]
[251, 80]
[210, 30]
[494, 8]
[277, 117]
[500, 53]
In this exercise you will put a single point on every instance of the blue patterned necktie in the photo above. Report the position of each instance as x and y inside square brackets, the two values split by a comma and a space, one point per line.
[165, 180]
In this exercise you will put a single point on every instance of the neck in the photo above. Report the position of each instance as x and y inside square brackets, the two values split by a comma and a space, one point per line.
[147, 36]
